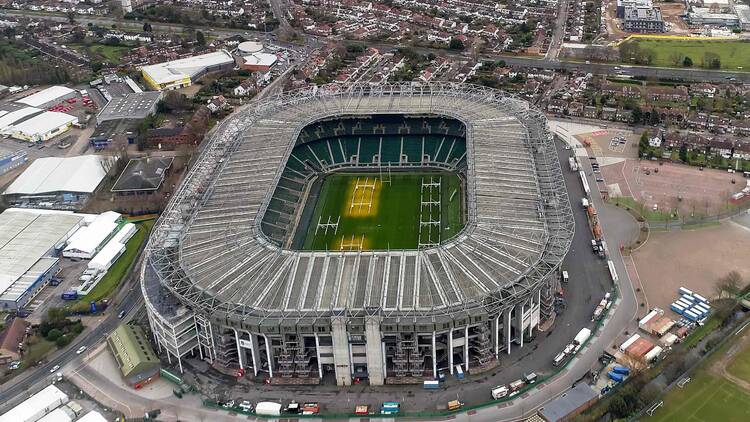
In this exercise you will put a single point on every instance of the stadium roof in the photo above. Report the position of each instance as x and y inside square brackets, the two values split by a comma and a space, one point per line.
[25, 237]
[43, 123]
[46, 96]
[131, 349]
[167, 72]
[82, 174]
[518, 229]
[143, 174]
[137, 105]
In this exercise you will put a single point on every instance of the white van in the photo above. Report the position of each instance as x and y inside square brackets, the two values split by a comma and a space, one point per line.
[565, 277]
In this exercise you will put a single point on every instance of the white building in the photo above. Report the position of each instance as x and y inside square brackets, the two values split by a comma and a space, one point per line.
[89, 240]
[48, 97]
[36, 406]
[42, 127]
[183, 72]
[59, 183]
[112, 251]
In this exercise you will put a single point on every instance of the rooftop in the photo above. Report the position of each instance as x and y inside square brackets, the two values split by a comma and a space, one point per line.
[49, 397]
[46, 96]
[43, 123]
[260, 59]
[558, 409]
[82, 174]
[143, 174]
[131, 349]
[167, 72]
[136, 105]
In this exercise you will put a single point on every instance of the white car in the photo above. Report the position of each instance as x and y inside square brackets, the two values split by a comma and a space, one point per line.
[54, 369]
[81, 350]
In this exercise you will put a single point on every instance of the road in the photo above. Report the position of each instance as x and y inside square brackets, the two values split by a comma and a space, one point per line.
[558, 32]
[688, 75]
[34, 379]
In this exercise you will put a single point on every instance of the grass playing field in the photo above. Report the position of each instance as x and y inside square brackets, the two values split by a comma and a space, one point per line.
[706, 398]
[373, 215]
[670, 53]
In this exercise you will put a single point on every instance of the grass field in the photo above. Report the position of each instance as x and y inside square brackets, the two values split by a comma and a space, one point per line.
[733, 54]
[373, 215]
[740, 365]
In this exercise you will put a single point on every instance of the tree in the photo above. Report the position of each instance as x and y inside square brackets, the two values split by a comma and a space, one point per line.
[619, 408]
[687, 62]
[200, 38]
[729, 285]
[711, 60]
[54, 334]
[147, 27]
[456, 44]
[683, 153]
[643, 145]
[62, 341]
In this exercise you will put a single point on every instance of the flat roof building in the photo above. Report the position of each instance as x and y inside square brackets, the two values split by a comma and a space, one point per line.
[89, 240]
[42, 127]
[36, 406]
[143, 175]
[58, 182]
[183, 72]
[29, 241]
[259, 62]
[48, 97]
[137, 362]
[641, 19]
[136, 106]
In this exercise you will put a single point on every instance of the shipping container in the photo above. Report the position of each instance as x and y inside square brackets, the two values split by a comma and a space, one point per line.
[684, 291]
[700, 298]
[688, 298]
[653, 354]
[71, 295]
[618, 369]
[500, 392]
[629, 341]
[677, 308]
[390, 408]
[268, 408]
[615, 376]
[582, 336]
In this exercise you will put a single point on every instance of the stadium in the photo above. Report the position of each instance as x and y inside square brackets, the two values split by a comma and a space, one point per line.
[382, 233]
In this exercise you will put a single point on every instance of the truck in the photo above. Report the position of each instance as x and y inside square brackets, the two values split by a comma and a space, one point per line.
[390, 408]
[565, 277]
[268, 408]
[362, 409]
[499, 392]
[599, 310]
[454, 405]
[70, 295]
[431, 385]
[582, 336]
[573, 164]
[585, 183]
[559, 359]
[530, 378]
[585, 203]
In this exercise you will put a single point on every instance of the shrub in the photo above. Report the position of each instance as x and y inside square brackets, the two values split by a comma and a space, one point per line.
[54, 334]
[63, 341]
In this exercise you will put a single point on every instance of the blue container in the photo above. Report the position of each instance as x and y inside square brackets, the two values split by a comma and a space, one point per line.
[622, 370]
[615, 376]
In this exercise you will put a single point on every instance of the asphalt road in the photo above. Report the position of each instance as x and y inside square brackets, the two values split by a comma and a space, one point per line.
[36, 378]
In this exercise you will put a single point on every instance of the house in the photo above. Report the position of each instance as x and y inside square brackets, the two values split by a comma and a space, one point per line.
[590, 112]
[11, 340]
[654, 142]
[575, 109]
[609, 113]
[244, 88]
[557, 106]
[705, 90]
[217, 103]
[624, 115]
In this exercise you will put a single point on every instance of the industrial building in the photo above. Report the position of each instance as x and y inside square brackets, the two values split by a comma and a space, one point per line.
[183, 72]
[623, 4]
[42, 127]
[134, 356]
[12, 161]
[133, 106]
[570, 404]
[708, 16]
[114, 248]
[120, 132]
[142, 176]
[222, 281]
[259, 62]
[638, 19]
[58, 182]
[29, 245]
[48, 97]
[37, 406]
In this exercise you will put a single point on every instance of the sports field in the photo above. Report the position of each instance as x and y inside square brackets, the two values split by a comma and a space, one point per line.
[671, 53]
[370, 211]
[706, 398]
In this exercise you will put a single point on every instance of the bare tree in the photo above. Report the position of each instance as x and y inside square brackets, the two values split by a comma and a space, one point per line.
[729, 285]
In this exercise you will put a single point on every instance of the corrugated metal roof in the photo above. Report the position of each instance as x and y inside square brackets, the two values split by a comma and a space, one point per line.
[46, 96]
[53, 174]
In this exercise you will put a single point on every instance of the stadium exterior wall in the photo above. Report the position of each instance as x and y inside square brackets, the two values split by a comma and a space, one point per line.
[373, 343]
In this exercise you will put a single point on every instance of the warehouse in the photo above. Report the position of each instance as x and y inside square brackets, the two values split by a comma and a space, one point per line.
[16, 115]
[42, 127]
[89, 240]
[58, 183]
[36, 406]
[112, 251]
[48, 97]
[183, 72]
[135, 106]
[134, 356]
[142, 176]
[259, 62]
[29, 241]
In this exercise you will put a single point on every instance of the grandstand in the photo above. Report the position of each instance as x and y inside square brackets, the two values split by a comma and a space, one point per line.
[219, 279]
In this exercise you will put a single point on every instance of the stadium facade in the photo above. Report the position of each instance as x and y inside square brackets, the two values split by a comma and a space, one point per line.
[222, 282]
